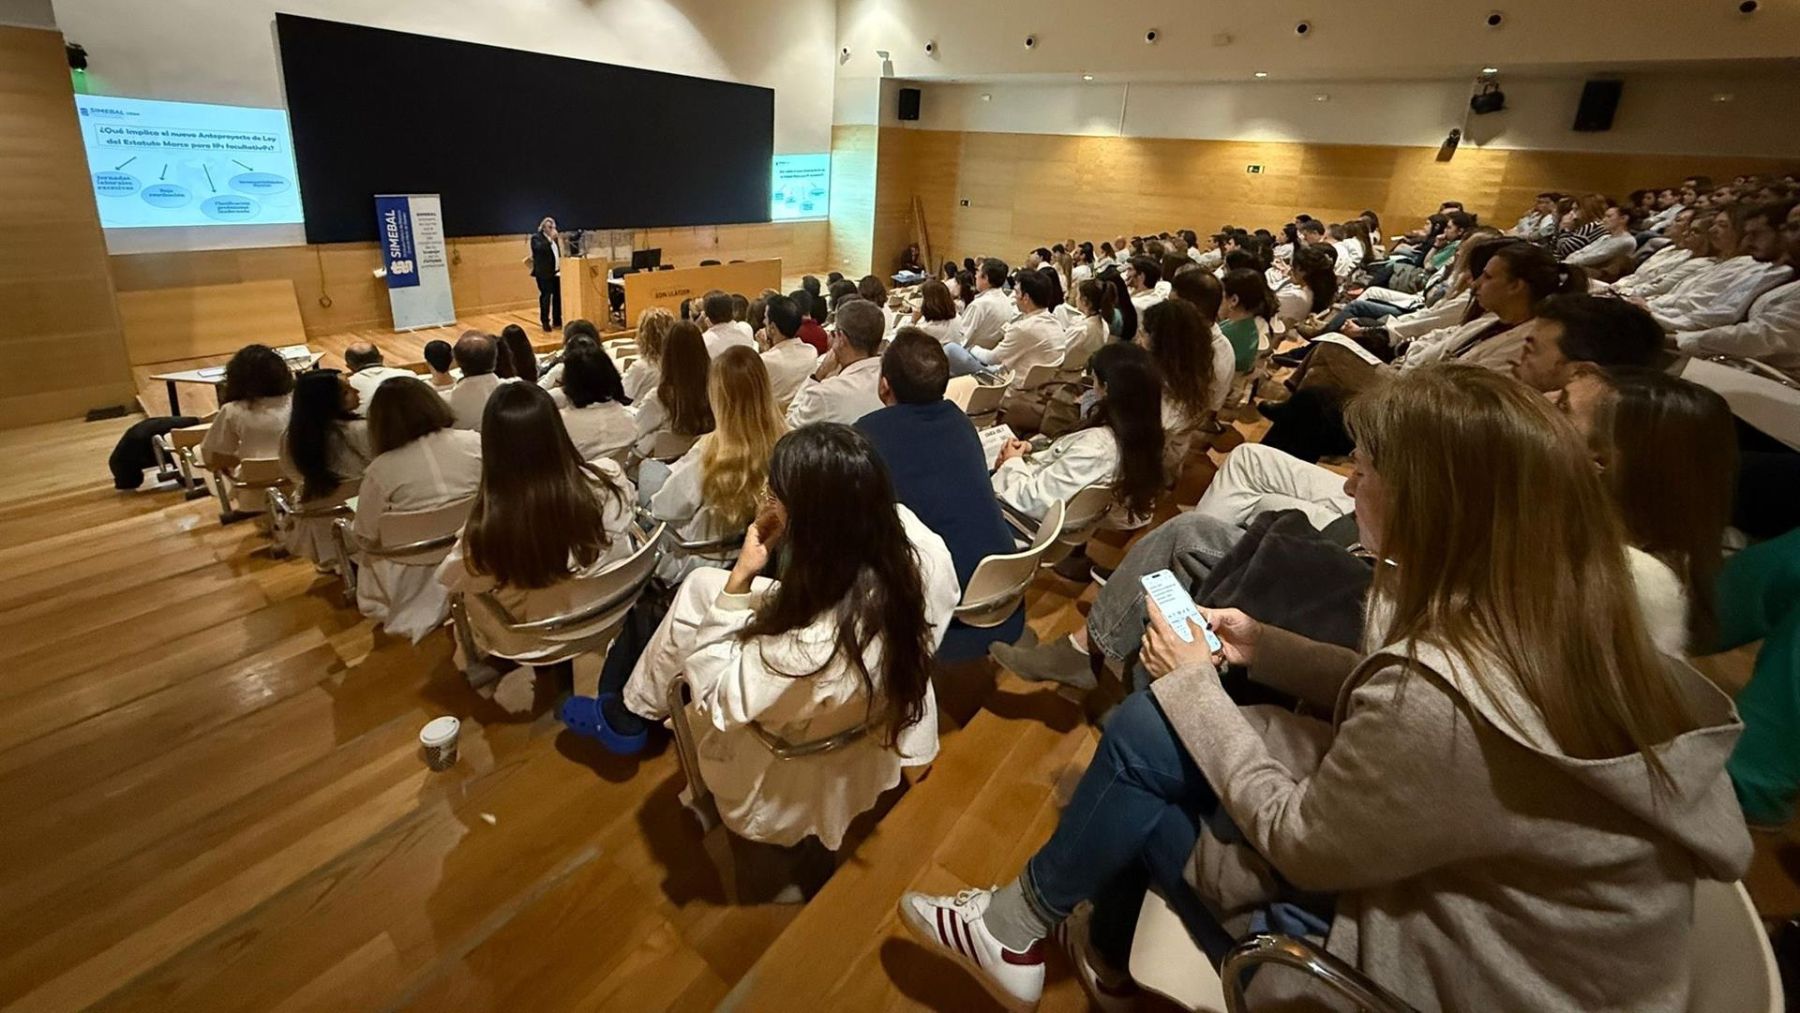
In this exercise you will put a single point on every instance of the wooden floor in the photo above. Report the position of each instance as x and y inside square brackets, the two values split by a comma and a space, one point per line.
[212, 799]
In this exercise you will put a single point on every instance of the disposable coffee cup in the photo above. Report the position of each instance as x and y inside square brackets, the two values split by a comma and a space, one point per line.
[438, 738]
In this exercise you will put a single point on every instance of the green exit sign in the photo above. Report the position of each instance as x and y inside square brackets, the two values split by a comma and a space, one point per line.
[1254, 170]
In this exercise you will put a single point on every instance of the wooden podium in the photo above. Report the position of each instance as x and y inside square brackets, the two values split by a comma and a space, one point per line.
[584, 290]
[667, 289]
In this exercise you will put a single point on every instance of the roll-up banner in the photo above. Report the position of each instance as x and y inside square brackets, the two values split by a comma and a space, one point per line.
[411, 231]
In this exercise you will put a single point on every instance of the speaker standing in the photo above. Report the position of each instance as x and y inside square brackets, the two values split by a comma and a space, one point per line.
[546, 267]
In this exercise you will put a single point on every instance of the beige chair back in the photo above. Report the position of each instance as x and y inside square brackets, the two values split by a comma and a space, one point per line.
[601, 602]
[668, 446]
[1732, 964]
[1039, 375]
[258, 473]
[420, 537]
[998, 584]
[984, 400]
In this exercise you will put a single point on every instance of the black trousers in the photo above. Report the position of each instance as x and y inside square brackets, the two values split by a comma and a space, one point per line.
[550, 301]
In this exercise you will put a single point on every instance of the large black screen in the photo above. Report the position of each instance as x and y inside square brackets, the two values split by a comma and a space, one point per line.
[508, 136]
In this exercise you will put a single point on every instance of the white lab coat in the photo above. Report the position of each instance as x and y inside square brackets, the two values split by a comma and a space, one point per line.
[681, 502]
[561, 598]
[1438, 345]
[368, 379]
[1035, 339]
[730, 334]
[735, 683]
[599, 429]
[347, 455]
[947, 332]
[247, 430]
[1295, 303]
[846, 396]
[1224, 370]
[1446, 312]
[469, 398]
[431, 471]
[640, 379]
[1055, 474]
[1602, 251]
[982, 321]
[790, 363]
[1718, 295]
[1770, 332]
[1144, 300]
[1654, 278]
[1081, 339]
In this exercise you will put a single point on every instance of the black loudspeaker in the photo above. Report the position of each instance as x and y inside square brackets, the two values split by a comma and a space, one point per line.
[909, 103]
[1599, 101]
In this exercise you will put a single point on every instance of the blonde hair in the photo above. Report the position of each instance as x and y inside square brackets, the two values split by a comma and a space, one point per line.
[652, 327]
[1507, 547]
[734, 464]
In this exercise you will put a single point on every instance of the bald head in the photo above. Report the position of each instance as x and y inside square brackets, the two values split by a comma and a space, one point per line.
[475, 353]
[362, 355]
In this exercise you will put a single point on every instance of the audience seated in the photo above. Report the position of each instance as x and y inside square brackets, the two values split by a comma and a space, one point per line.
[839, 644]
[723, 328]
[1033, 338]
[323, 454]
[515, 358]
[678, 404]
[1722, 294]
[476, 355]
[1690, 249]
[1611, 251]
[642, 377]
[1531, 758]
[991, 309]
[438, 359]
[1179, 339]
[1142, 275]
[542, 514]
[1573, 329]
[550, 376]
[254, 402]
[789, 360]
[422, 460]
[596, 419]
[1244, 315]
[1308, 287]
[366, 370]
[1580, 225]
[813, 316]
[1770, 328]
[1539, 224]
[846, 385]
[716, 487]
[937, 314]
[1120, 444]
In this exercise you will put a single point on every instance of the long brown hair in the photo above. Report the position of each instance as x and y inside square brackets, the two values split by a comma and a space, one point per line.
[403, 409]
[1647, 420]
[682, 389]
[1132, 409]
[849, 558]
[1179, 339]
[1506, 547]
[734, 461]
[537, 506]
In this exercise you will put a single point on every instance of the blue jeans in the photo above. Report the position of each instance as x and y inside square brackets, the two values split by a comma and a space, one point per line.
[1132, 822]
[962, 361]
[1362, 309]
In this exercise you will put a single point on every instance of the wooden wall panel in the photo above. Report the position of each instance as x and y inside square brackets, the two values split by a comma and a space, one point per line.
[853, 163]
[170, 324]
[1026, 190]
[487, 273]
[59, 334]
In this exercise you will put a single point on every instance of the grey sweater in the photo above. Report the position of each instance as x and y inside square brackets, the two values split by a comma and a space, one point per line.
[1475, 865]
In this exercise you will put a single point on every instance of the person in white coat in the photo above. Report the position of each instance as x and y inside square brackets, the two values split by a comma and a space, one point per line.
[846, 385]
[716, 487]
[1119, 446]
[323, 454]
[723, 329]
[422, 461]
[1748, 247]
[476, 353]
[1034, 338]
[839, 647]
[253, 413]
[789, 360]
[367, 370]
[542, 516]
[1771, 330]
[678, 405]
[991, 309]
[645, 372]
[596, 419]
[937, 314]
[1689, 252]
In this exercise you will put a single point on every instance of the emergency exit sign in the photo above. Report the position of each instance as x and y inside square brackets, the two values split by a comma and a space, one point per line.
[1254, 170]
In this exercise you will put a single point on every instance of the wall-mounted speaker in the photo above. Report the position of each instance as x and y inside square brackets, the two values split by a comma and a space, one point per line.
[909, 103]
[1599, 101]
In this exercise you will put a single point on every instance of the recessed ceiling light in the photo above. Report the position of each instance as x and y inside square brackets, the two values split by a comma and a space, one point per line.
[985, 97]
[1490, 70]
[1262, 73]
[1723, 96]
[1087, 77]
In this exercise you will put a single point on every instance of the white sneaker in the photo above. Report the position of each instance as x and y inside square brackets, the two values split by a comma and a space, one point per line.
[1072, 934]
[952, 926]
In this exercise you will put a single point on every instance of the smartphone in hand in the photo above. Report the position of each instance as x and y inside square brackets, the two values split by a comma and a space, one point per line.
[1178, 608]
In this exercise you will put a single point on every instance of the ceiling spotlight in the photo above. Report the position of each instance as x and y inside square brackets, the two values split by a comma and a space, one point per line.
[985, 97]
[1087, 77]
[1262, 73]
[1723, 96]
[1490, 70]
[1321, 98]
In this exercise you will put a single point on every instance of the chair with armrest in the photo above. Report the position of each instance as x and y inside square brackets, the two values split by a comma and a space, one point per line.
[983, 405]
[1083, 514]
[698, 799]
[394, 578]
[179, 449]
[591, 610]
[306, 529]
[1731, 965]
[989, 611]
[243, 491]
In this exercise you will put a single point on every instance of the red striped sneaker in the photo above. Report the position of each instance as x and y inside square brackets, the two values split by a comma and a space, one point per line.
[1073, 935]
[952, 926]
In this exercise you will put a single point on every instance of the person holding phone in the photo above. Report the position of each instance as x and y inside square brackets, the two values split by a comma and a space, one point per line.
[1492, 778]
[841, 639]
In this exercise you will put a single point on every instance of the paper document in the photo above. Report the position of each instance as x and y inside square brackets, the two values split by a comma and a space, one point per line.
[993, 438]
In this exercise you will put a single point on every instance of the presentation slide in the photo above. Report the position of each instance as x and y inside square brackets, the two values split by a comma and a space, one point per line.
[186, 163]
[800, 187]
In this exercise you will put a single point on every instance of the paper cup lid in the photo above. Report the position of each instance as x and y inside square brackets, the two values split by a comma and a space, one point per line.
[438, 731]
